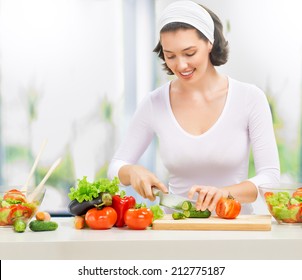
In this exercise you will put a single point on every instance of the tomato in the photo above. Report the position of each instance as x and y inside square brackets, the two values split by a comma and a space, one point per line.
[228, 208]
[9, 214]
[299, 214]
[298, 194]
[268, 194]
[293, 219]
[138, 218]
[4, 214]
[14, 195]
[18, 211]
[101, 218]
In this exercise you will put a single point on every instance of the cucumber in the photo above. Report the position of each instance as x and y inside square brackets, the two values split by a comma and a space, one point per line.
[186, 213]
[193, 213]
[186, 205]
[178, 216]
[42, 225]
[19, 225]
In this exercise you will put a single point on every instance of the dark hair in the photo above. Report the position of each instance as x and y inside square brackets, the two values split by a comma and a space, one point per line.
[220, 50]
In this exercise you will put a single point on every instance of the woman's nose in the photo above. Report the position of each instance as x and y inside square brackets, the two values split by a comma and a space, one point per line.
[181, 63]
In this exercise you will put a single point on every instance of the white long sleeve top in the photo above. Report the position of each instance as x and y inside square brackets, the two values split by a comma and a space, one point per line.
[220, 156]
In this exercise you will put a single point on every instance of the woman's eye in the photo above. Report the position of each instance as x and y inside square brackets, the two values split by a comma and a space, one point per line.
[170, 57]
[191, 54]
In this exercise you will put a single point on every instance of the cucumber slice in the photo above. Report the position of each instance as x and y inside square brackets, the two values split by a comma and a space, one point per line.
[178, 216]
[186, 205]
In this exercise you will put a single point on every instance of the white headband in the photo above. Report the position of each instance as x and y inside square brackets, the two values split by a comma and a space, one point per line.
[191, 13]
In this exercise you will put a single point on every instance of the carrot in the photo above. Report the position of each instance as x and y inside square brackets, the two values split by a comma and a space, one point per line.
[43, 216]
[79, 222]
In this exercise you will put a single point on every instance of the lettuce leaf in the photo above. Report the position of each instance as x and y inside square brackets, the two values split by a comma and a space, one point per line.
[86, 191]
[158, 212]
[283, 212]
[281, 205]
[278, 198]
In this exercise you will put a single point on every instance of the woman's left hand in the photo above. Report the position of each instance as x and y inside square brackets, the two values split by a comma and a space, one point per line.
[208, 196]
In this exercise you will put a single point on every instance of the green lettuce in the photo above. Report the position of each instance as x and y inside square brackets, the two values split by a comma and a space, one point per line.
[158, 212]
[281, 203]
[283, 212]
[278, 198]
[86, 191]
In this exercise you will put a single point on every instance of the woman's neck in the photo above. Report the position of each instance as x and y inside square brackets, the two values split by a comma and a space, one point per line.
[209, 84]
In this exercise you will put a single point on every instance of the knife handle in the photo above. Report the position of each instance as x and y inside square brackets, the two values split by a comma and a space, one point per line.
[155, 191]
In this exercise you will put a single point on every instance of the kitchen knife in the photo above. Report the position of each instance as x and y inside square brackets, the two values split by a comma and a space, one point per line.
[170, 200]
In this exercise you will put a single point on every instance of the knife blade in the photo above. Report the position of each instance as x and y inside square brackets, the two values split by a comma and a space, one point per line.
[172, 201]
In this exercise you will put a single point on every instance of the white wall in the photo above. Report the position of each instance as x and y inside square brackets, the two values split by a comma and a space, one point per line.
[69, 55]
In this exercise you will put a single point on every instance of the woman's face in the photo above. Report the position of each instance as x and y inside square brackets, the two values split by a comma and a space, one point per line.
[186, 54]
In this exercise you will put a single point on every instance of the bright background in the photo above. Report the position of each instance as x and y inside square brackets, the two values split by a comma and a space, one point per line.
[73, 72]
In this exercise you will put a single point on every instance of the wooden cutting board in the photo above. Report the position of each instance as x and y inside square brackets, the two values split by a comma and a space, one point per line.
[242, 222]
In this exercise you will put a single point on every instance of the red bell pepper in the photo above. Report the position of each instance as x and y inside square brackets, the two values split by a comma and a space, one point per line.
[121, 204]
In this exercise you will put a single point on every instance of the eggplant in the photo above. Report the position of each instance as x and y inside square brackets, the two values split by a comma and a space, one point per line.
[80, 208]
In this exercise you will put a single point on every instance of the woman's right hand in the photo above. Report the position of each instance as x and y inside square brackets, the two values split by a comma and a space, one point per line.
[141, 179]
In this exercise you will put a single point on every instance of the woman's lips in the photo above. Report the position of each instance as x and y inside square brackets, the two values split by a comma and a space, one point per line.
[187, 74]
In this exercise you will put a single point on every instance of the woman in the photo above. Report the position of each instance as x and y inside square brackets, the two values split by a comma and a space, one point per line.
[205, 122]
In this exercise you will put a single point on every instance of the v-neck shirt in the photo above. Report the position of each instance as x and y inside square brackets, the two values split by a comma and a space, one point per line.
[218, 157]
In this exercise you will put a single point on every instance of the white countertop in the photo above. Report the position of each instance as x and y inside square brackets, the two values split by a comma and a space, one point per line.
[282, 242]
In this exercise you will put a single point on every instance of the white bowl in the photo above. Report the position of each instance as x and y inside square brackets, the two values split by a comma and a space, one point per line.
[14, 204]
[284, 201]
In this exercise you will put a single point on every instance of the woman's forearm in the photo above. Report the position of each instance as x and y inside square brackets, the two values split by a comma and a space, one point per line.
[244, 192]
[124, 175]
